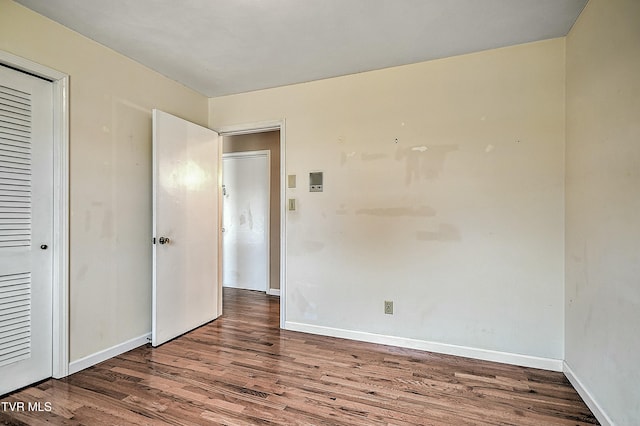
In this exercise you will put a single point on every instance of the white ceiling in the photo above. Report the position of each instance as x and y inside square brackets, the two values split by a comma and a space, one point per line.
[220, 47]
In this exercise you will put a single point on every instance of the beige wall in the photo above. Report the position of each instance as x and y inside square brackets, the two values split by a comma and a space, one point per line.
[256, 142]
[111, 98]
[443, 193]
[603, 206]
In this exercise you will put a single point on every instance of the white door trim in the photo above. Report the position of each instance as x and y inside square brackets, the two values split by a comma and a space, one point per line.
[266, 126]
[60, 244]
[267, 154]
[259, 153]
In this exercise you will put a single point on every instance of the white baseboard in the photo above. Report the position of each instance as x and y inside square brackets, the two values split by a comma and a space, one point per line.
[269, 291]
[595, 408]
[104, 355]
[442, 348]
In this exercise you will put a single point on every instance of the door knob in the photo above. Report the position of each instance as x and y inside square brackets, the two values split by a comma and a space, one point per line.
[44, 247]
[164, 240]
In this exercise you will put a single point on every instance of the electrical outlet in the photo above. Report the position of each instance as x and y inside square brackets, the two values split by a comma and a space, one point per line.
[388, 307]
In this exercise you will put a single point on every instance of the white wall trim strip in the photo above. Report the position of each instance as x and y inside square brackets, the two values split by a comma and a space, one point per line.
[273, 292]
[244, 129]
[442, 348]
[595, 408]
[108, 353]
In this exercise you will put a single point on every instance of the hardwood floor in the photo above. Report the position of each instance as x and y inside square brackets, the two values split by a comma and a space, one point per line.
[242, 369]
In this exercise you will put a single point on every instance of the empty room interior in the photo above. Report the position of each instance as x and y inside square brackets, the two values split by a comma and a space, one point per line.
[451, 220]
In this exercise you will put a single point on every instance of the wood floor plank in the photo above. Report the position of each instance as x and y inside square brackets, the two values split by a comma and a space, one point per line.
[243, 370]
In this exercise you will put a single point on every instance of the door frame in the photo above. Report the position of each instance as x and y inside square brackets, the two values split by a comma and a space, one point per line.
[60, 243]
[263, 153]
[261, 127]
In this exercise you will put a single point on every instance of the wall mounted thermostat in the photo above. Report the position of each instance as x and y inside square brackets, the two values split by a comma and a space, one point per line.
[315, 182]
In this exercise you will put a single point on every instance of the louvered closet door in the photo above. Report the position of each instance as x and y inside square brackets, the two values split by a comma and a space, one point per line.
[26, 188]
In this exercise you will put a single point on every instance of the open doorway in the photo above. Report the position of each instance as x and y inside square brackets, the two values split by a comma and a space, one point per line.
[252, 164]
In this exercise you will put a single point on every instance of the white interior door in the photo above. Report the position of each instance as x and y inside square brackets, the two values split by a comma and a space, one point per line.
[246, 220]
[26, 220]
[186, 225]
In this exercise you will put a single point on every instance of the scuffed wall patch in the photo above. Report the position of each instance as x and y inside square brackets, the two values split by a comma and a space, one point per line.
[420, 211]
[374, 156]
[422, 162]
[445, 232]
